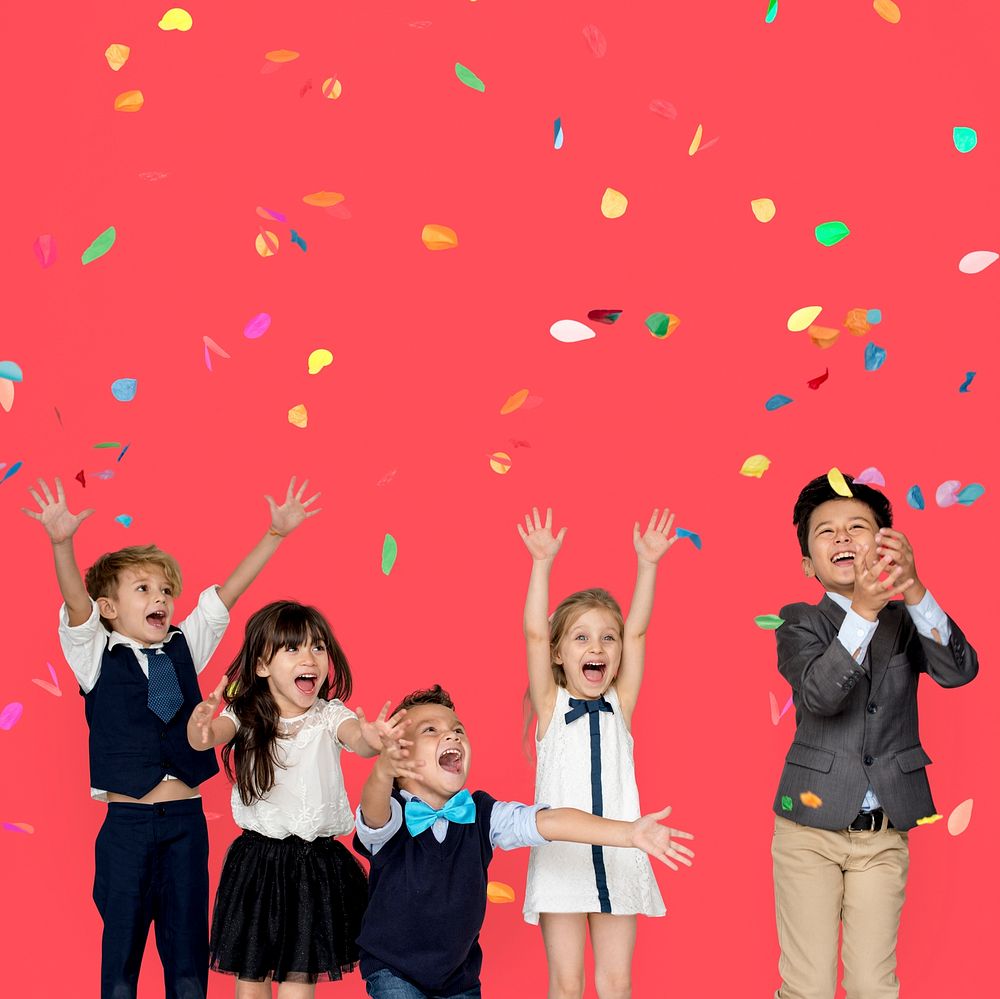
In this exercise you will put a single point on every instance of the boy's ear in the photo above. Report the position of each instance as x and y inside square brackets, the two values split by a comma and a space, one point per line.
[106, 608]
[807, 567]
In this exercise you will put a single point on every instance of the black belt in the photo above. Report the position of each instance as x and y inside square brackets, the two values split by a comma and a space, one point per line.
[871, 821]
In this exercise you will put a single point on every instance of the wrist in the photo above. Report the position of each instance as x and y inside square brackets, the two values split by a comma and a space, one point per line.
[866, 612]
[272, 533]
[915, 593]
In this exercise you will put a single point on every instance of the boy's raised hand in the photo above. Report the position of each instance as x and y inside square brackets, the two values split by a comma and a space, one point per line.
[200, 722]
[538, 538]
[896, 545]
[59, 523]
[395, 763]
[659, 840]
[656, 542]
[870, 593]
[291, 513]
[381, 732]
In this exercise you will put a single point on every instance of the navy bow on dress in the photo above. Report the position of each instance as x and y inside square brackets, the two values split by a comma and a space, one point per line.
[578, 708]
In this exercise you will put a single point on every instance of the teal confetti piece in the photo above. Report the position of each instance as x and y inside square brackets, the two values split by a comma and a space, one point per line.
[299, 241]
[786, 803]
[100, 246]
[469, 78]
[874, 357]
[11, 371]
[874, 316]
[964, 387]
[965, 138]
[915, 498]
[970, 493]
[123, 389]
[558, 134]
[768, 622]
[13, 470]
[389, 551]
[695, 539]
[772, 11]
[776, 402]
[829, 233]
[124, 519]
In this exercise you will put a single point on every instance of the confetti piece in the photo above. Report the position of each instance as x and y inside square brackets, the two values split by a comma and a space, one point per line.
[11, 715]
[874, 357]
[500, 462]
[786, 803]
[107, 444]
[389, 552]
[964, 387]
[870, 477]
[571, 331]
[53, 688]
[970, 493]
[929, 819]
[281, 55]
[978, 260]
[323, 199]
[497, 891]
[298, 241]
[960, 818]
[175, 19]
[513, 443]
[152, 175]
[763, 209]
[772, 11]
[662, 324]
[45, 249]
[533, 402]
[613, 203]
[129, 100]
[332, 88]
[211, 345]
[755, 466]
[298, 417]
[945, 494]
[814, 383]
[695, 142]
[318, 360]
[768, 622]
[124, 519]
[773, 701]
[663, 108]
[695, 539]
[857, 322]
[100, 246]
[838, 483]
[824, 337]
[11, 371]
[13, 470]
[232, 690]
[257, 326]
[266, 213]
[596, 40]
[915, 498]
[81, 478]
[388, 477]
[103, 475]
[514, 402]
[339, 212]
[117, 55]
[874, 316]
[121, 454]
[123, 389]
[802, 319]
[606, 316]
[829, 233]
[965, 138]
[6, 396]
[21, 827]
[558, 140]
[810, 800]
[788, 704]
[776, 402]
[887, 10]
[466, 76]
[266, 243]
[439, 237]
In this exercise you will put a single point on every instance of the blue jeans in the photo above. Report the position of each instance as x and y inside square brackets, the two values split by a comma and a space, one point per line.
[383, 984]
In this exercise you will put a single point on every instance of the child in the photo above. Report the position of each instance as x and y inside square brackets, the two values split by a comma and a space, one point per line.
[584, 673]
[427, 898]
[854, 779]
[139, 677]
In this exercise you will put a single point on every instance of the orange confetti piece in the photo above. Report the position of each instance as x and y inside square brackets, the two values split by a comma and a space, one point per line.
[500, 462]
[857, 322]
[332, 88]
[887, 10]
[298, 417]
[810, 800]
[266, 243]
[281, 55]
[497, 891]
[960, 818]
[117, 55]
[23, 827]
[823, 336]
[323, 199]
[516, 401]
[613, 203]
[763, 209]
[439, 237]
[130, 100]
[695, 142]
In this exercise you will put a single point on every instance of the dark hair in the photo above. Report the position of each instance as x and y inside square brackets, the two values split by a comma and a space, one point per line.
[432, 695]
[820, 491]
[250, 757]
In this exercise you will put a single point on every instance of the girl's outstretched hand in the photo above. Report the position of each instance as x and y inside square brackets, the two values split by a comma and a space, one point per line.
[659, 841]
[538, 537]
[380, 733]
[200, 722]
[59, 523]
[656, 542]
[291, 513]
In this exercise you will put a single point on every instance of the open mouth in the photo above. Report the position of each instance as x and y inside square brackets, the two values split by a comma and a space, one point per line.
[451, 760]
[158, 619]
[306, 682]
[594, 671]
[842, 557]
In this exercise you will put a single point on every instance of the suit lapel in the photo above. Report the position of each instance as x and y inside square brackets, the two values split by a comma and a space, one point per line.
[883, 642]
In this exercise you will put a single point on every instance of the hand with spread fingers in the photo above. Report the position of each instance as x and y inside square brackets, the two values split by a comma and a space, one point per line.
[291, 513]
[656, 542]
[896, 545]
[59, 523]
[381, 732]
[871, 592]
[538, 538]
[658, 840]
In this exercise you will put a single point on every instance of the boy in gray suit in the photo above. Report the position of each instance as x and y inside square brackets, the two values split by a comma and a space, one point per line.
[854, 779]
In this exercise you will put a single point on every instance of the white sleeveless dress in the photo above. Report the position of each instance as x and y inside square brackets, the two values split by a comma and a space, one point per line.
[564, 877]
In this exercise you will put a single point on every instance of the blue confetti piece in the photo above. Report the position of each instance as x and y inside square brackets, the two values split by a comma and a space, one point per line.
[123, 389]
[915, 498]
[558, 134]
[964, 387]
[121, 454]
[874, 357]
[690, 535]
[299, 241]
[970, 493]
[12, 470]
[124, 519]
[10, 371]
[776, 402]
[874, 316]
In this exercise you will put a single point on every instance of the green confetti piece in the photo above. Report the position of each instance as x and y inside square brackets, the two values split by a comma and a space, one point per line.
[829, 233]
[772, 11]
[469, 78]
[769, 622]
[389, 550]
[100, 246]
[109, 444]
[786, 803]
[965, 139]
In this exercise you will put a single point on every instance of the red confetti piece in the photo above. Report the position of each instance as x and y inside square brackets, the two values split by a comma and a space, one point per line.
[596, 40]
[517, 443]
[607, 316]
[81, 478]
[45, 250]
[305, 88]
[814, 383]
[664, 108]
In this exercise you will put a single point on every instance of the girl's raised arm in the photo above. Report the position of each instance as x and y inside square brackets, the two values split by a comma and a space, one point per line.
[205, 731]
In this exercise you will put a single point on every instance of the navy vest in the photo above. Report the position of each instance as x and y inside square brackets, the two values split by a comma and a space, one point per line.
[131, 750]
[426, 904]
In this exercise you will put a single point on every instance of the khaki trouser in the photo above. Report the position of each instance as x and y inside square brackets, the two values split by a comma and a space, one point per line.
[823, 879]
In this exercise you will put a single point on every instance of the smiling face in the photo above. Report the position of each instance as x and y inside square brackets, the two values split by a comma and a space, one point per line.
[837, 530]
[590, 653]
[142, 606]
[295, 674]
[440, 743]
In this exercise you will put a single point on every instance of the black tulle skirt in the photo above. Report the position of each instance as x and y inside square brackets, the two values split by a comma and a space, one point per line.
[288, 910]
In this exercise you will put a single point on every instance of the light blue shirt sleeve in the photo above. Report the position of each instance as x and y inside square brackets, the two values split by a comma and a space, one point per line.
[374, 839]
[513, 825]
[856, 634]
[928, 617]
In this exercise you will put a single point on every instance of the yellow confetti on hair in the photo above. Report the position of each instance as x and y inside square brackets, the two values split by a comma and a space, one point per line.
[838, 483]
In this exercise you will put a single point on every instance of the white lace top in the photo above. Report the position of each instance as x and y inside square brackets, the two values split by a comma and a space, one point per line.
[308, 799]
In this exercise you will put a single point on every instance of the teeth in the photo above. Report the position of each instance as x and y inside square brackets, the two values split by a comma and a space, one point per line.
[451, 752]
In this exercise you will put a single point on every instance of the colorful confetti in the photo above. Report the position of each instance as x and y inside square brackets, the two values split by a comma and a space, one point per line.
[266, 243]
[810, 800]
[497, 891]
[755, 466]
[695, 539]
[130, 101]
[53, 687]
[945, 494]
[857, 323]
[763, 209]
[768, 622]
[108, 444]
[838, 483]
[123, 389]
[318, 360]
[514, 402]
[323, 199]
[662, 324]
[266, 213]
[124, 519]
[439, 237]
[500, 462]
[388, 477]
[121, 454]
[977, 260]
[830, 233]
[928, 820]
[814, 383]
[389, 552]
[887, 10]
[870, 477]
[13, 470]
[332, 88]
[695, 142]
[823, 337]
[175, 19]
[45, 249]
[663, 108]
[961, 816]
[11, 371]
[776, 402]
[6, 396]
[613, 203]
[775, 714]
[21, 827]
[874, 357]
[802, 319]
[607, 316]
[571, 331]
[210, 345]
[298, 417]
[81, 477]
[969, 495]
[915, 498]
[965, 138]
[772, 11]
[964, 387]
[117, 55]
[874, 316]
[786, 803]
[466, 76]
[596, 40]
[281, 55]
[11, 715]
[558, 139]
[100, 246]
[257, 326]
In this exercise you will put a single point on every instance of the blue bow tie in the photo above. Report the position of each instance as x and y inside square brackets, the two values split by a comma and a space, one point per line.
[420, 816]
[578, 708]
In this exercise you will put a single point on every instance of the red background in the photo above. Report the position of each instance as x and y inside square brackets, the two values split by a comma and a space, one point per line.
[830, 111]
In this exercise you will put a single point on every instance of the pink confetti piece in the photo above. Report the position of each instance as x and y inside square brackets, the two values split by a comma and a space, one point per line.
[775, 714]
[210, 344]
[663, 108]
[946, 493]
[11, 715]
[788, 704]
[705, 145]
[21, 827]
[53, 688]
[960, 818]
[596, 40]
[152, 175]
[870, 477]
[271, 216]
[532, 402]
[45, 249]
[340, 211]
[387, 478]
[978, 260]
[257, 326]
[209, 816]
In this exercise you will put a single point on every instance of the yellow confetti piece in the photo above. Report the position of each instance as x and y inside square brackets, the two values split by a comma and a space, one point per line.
[117, 55]
[695, 142]
[130, 100]
[838, 483]
[500, 462]
[319, 359]
[929, 819]
[810, 800]
[887, 10]
[439, 237]
[232, 689]
[516, 401]
[961, 816]
[497, 891]
[755, 466]
[332, 88]
[266, 244]
[323, 199]
[298, 417]
[613, 204]
[281, 55]
[176, 19]
[763, 209]
[857, 322]
[823, 337]
[802, 319]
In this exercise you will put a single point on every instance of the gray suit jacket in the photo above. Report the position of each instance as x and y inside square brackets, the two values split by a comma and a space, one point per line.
[856, 724]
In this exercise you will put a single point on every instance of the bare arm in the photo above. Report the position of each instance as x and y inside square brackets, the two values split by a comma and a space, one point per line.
[368, 738]
[206, 732]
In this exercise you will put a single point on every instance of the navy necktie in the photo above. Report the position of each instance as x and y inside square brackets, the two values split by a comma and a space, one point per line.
[165, 697]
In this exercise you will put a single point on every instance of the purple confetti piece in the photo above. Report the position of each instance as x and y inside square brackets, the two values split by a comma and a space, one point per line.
[870, 477]
[11, 715]
[788, 704]
[19, 827]
[945, 495]
[257, 326]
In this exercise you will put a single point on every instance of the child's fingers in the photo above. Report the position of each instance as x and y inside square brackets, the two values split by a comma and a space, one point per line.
[59, 490]
[662, 857]
[561, 535]
[680, 834]
[668, 527]
[312, 499]
[84, 514]
[651, 526]
[360, 712]
[36, 497]
[220, 687]
[301, 490]
[31, 513]
[548, 519]
[679, 848]
[291, 488]
[664, 517]
[676, 856]
[45, 490]
[659, 816]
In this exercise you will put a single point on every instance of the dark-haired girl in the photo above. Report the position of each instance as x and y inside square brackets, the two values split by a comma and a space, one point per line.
[290, 897]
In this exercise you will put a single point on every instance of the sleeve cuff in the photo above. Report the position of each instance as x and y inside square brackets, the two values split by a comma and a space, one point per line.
[374, 839]
[855, 634]
[79, 634]
[211, 606]
[928, 617]
[514, 825]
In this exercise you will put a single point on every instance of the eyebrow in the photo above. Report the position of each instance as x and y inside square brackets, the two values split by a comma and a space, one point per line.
[850, 520]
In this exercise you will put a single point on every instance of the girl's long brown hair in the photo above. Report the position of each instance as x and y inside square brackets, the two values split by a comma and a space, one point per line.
[250, 757]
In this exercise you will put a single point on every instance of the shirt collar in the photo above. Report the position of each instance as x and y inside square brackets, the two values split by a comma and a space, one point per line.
[117, 638]
[844, 603]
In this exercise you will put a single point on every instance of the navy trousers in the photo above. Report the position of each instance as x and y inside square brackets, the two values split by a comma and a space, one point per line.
[151, 866]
